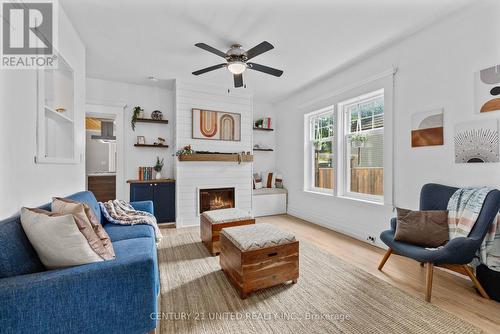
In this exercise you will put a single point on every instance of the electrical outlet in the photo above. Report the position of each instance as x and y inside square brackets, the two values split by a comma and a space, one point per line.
[371, 239]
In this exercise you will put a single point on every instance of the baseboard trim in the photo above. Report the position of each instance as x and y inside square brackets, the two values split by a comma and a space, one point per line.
[318, 220]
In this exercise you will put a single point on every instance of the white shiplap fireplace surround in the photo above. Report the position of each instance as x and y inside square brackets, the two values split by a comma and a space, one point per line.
[191, 176]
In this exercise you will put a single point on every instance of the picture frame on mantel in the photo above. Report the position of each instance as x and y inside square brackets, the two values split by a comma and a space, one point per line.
[216, 125]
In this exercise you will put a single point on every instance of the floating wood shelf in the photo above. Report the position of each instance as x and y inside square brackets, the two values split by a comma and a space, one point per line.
[263, 149]
[263, 129]
[150, 145]
[151, 181]
[150, 120]
[233, 157]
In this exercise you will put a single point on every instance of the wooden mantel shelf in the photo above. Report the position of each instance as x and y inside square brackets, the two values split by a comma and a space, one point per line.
[234, 157]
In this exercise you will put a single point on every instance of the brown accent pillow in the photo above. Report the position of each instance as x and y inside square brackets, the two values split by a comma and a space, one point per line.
[64, 205]
[422, 228]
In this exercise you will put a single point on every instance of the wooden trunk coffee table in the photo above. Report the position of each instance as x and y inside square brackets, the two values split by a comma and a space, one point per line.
[212, 222]
[258, 256]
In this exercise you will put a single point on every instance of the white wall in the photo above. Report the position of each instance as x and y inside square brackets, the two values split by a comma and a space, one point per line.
[436, 69]
[24, 183]
[265, 161]
[149, 98]
[190, 176]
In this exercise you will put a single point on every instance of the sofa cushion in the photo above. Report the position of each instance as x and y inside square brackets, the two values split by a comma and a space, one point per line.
[57, 238]
[95, 232]
[17, 255]
[122, 232]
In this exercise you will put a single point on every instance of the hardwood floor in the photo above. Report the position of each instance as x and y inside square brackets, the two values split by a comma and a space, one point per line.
[450, 292]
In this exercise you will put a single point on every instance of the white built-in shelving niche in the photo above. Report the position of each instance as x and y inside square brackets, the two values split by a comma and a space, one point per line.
[56, 143]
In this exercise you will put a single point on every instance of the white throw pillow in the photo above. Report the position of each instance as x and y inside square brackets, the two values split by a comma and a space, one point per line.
[57, 239]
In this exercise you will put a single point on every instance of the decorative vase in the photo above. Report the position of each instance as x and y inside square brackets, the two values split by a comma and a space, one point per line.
[158, 175]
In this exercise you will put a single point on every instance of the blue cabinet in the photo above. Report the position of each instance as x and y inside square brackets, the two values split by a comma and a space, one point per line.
[161, 193]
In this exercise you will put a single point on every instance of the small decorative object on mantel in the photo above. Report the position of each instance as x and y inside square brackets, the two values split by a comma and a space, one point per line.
[186, 150]
[141, 140]
[137, 114]
[60, 109]
[158, 167]
[157, 115]
[160, 142]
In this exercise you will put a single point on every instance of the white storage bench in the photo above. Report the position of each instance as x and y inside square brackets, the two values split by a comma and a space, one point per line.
[269, 201]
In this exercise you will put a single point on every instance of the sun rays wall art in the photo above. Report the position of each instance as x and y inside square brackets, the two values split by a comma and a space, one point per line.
[216, 125]
[477, 142]
[487, 90]
[427, 128]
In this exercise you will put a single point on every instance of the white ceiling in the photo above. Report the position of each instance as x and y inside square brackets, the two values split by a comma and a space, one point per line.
[129, 40]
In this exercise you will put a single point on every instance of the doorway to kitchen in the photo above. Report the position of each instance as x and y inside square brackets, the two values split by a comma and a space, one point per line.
[104, 166]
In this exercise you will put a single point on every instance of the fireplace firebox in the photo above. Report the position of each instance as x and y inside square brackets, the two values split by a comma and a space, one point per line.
[216, 198]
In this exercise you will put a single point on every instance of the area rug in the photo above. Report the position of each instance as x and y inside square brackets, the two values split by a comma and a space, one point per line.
[331, 296]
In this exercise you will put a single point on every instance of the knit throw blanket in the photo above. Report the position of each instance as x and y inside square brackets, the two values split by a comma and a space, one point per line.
[122, 213]
[463, 210]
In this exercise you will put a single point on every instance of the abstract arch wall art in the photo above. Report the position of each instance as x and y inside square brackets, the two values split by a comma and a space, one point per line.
[488, 89]
[226, 127]
[427, 128]
[477, 142]
[216, 125]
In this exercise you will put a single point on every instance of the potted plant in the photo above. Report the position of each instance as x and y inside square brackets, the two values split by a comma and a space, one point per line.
[158, 167]
[358, 140]
[137, 113]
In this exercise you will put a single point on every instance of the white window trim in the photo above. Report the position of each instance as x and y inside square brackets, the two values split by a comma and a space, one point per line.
[309, 161]
[383, 80]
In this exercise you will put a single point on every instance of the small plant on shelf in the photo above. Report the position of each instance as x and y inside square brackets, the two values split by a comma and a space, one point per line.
[185, 150]
[158, 167]
[137, 112]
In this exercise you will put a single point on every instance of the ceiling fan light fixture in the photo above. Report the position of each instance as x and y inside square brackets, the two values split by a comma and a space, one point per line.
[237, 67]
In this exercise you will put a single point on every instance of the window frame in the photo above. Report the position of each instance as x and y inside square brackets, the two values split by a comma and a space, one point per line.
[344, 175]
[309, 173]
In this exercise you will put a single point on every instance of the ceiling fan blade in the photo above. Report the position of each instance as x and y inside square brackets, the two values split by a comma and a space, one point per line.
[208, 69]
[259, 49]
[238, 80]
[265, 69]
[211, 49]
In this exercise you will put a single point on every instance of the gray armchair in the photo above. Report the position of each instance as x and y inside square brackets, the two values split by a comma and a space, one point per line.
[458, 252]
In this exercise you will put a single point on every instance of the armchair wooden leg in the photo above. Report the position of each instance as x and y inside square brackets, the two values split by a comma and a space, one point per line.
[474, 280]
[385, 258]
[428, 281]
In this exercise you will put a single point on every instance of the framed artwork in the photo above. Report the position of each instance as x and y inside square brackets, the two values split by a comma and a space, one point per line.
[141, 140]
[477, 142]
[216, 125]
[427, 128]
[487, 89]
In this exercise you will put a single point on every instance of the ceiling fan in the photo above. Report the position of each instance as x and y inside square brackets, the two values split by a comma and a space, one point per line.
[237, 61]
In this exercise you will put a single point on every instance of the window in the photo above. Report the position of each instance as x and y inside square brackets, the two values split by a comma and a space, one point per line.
[321, 147]
[359, 170]
[364, 146]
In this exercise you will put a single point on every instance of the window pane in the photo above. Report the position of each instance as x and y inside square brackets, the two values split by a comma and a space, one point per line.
[365, 146]
[367, 164]
[323, 164]
[322, 127]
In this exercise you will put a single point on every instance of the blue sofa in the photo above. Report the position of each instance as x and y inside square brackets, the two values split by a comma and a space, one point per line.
[117, 296]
